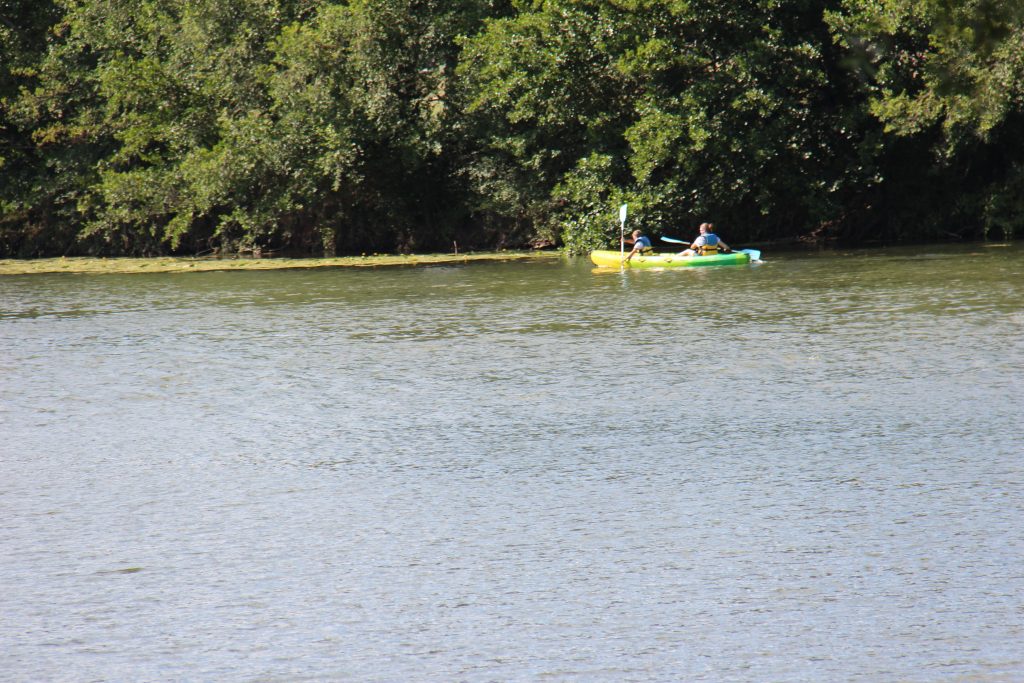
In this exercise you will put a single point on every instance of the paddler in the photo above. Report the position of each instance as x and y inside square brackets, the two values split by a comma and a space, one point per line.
[707, 243]
[641, 244]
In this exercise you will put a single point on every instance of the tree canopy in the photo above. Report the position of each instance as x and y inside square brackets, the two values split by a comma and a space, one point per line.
[312, 126]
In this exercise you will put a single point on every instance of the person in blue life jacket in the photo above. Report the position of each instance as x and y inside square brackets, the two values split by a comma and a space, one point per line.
[707, 243]
[641, 244]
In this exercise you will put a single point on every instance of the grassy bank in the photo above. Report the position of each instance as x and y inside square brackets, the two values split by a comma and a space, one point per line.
[193, 265]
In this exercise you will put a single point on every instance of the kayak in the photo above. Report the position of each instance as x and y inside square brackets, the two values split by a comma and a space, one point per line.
[613, 259]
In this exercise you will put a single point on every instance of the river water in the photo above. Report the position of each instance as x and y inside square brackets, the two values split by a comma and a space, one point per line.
[805, 470]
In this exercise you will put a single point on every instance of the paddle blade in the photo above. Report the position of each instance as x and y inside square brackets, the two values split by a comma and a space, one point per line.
[755, 255]
[673, 240]
[622, 213]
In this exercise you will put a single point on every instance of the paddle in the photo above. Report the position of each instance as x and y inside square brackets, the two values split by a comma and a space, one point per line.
[754, 254]
[622, 234]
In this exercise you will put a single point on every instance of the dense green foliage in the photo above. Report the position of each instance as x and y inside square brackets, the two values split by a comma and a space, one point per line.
[311, 126]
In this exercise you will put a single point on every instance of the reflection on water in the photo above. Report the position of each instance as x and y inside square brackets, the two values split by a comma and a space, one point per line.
[804, 470]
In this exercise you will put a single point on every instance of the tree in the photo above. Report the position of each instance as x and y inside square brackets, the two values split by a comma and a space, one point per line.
[947, 81]
[545, 99]
[234, 124]
[369, 88]
[691, 111]
[24, 34]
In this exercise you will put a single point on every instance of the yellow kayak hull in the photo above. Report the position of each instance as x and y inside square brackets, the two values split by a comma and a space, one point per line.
[613, 259]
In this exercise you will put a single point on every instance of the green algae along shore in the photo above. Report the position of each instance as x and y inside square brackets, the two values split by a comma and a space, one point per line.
[192, 265]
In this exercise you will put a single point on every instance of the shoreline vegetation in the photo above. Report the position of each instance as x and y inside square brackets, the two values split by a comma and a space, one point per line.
[319, 127]
[84, 265]
[126, 265]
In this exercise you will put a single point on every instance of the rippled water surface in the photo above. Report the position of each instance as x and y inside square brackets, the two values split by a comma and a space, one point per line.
[806, 470]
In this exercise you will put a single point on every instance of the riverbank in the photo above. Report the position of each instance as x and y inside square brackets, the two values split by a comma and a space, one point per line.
[124, 265]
